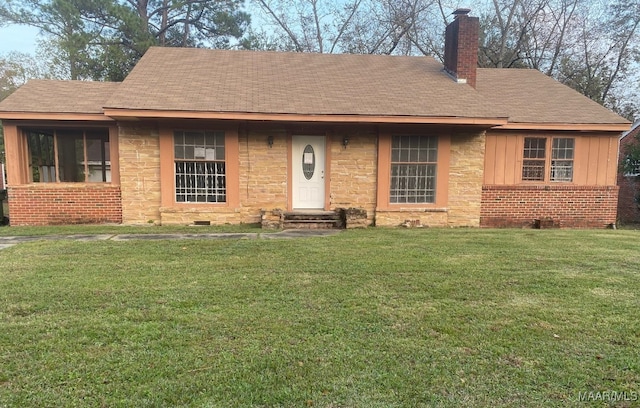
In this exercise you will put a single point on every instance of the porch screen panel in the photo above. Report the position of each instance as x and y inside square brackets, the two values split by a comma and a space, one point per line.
[413, 169]
[70, 155]
[200, 168]
[98, 156]
[42, 161]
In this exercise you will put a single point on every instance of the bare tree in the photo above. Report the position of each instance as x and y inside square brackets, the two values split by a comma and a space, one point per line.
[356, 26]
[603, 60]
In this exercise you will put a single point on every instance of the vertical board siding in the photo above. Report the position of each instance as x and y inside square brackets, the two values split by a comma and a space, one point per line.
[595, 159]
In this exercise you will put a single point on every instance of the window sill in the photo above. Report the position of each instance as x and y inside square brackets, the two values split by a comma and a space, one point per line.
[62, 185]
[196, 208]
[412, 208]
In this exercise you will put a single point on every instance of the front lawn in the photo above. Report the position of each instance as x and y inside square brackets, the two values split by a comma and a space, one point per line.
[369, 318]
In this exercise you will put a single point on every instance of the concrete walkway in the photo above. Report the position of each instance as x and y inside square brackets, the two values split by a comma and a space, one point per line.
[6, 242]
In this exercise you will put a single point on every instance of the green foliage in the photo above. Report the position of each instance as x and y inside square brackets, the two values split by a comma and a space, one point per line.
[370, 318]
[103, 39]
[15, 69]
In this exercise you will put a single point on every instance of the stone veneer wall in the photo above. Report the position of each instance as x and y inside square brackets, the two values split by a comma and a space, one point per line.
[466, 169]
[263, 178]
[466, 175]
[263, 173]
[139, 173]
[422, 218]
[62, 203]
[262, 184]
[354, 171]
[560, 206]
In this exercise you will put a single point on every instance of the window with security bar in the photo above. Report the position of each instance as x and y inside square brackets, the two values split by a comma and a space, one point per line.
[413, 169]
[200, 167]
[562, 160]
[535, 164]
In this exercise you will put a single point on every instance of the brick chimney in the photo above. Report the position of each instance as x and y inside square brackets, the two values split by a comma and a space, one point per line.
[461, 47]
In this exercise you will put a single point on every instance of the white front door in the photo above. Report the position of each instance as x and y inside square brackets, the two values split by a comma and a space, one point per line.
[308, 172]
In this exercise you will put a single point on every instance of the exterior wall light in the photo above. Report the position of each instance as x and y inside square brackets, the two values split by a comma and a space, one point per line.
[270, 141]
[345, 141]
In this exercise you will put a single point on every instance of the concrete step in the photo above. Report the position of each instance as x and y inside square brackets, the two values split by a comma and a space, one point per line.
[312, 220]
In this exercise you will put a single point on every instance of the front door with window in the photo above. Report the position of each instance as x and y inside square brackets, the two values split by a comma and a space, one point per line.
[308, 172]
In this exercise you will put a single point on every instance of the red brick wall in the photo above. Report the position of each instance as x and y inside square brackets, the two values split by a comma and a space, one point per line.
[51, 204]
[628, 207]
[567, 206]
[628, 211]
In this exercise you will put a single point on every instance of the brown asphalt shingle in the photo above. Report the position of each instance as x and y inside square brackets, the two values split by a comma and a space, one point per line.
[296, 83]
[222, 81]
[529, 96]
[47, 96]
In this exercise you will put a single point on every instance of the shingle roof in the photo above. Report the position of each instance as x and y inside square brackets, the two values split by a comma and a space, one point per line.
[47, 96]
[222, 81]
[297, 83]
[529, 96]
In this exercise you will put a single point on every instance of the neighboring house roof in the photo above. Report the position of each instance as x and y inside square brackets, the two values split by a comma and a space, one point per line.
[203, 83]
[626, 141]
[631, 133]
[47, 96]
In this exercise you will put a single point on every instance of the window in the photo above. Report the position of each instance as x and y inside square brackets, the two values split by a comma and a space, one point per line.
[562, 160]
[534, 159]
[631, 166]
[69, 155]
[413, 169]
[534, 163]
[200, 169]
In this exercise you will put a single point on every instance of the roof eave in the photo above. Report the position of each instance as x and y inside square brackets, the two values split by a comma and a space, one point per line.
[584, 127]
[134, 114]
[14, 115]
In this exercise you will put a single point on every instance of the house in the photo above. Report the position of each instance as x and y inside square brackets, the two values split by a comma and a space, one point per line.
[218, 136]
[629, 182]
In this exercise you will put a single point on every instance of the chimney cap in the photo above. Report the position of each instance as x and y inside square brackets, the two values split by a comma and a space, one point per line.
[461, 12]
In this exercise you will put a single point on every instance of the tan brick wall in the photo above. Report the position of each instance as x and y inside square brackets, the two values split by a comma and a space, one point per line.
[353, 171]
[466, 174]
[139, 173]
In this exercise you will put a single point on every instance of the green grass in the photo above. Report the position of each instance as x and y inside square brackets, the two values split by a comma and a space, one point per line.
[369, 318]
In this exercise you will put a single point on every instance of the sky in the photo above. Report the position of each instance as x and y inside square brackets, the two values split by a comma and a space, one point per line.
[18, 38]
